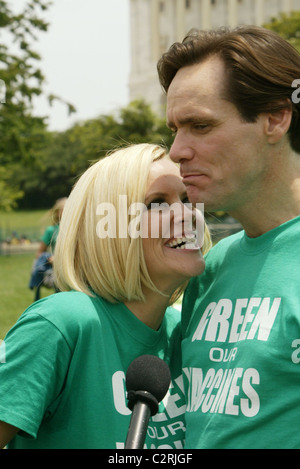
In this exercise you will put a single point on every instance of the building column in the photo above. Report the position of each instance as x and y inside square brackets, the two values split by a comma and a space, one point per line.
[259, 12]
[155, 33]
[232, 13]
[287, 6]
[206, 11]
[180, 20]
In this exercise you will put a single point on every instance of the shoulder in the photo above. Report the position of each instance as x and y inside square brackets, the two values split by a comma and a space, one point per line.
[63, 304]
[72, 313]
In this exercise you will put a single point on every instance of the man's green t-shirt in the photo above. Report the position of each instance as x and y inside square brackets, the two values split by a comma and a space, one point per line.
[63, 379]
[241, 346]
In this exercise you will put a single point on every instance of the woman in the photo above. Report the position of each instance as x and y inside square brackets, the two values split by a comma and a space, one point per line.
[63, 382]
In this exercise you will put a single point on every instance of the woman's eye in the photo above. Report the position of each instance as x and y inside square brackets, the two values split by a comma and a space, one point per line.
[187, 203]
[155, 203]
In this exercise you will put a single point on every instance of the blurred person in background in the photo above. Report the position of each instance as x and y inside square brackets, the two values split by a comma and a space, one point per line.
[42, 269]
[48, 240]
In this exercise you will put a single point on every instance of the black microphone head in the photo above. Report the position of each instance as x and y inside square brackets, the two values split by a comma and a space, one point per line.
[148, 373]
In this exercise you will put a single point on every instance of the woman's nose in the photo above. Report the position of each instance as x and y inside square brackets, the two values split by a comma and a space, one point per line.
[182, 217]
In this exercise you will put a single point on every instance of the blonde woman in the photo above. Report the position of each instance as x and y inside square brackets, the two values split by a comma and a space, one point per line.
[122, 257]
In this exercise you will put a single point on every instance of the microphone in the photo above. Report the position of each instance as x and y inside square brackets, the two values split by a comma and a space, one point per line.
[147, 382]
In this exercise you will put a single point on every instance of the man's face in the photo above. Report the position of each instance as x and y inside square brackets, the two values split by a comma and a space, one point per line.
[223, 160]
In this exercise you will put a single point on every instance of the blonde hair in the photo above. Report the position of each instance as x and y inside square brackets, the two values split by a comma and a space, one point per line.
[111, 267]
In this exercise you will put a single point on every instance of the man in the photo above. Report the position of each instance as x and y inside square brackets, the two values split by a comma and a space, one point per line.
[230, 103]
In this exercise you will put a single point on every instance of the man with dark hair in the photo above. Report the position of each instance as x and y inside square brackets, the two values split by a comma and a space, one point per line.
[237, 139]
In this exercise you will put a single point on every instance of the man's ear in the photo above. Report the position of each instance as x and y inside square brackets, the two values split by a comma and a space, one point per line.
[277, 123]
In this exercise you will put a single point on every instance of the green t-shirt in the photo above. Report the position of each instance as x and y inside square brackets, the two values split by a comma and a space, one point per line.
[241, 346]
[50, 236]
[63, 380]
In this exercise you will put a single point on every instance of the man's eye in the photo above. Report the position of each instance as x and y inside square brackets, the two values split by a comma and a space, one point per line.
[201, 127]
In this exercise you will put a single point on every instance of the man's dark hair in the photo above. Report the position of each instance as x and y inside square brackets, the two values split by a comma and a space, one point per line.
[260, 69]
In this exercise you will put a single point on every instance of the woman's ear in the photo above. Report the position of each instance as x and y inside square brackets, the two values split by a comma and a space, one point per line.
[277, 124]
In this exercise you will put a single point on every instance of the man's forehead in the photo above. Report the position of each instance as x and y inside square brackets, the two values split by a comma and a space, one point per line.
[195, 91]
[204, 77]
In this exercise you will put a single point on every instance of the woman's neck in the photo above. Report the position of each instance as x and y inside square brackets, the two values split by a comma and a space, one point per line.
[152, 311]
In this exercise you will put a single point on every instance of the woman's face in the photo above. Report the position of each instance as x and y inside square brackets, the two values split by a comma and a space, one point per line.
[173, 232]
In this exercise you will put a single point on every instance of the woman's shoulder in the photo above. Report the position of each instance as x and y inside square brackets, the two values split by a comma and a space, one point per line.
[67, 311]
[63, 302]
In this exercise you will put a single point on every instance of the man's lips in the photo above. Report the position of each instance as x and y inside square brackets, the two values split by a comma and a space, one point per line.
[190, 178]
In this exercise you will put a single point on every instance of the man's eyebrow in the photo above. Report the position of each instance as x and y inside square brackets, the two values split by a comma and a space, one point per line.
[192, 119]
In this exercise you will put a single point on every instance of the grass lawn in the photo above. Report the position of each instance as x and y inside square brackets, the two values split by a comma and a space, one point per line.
[15, 296]
[23, 219]
[30, 223]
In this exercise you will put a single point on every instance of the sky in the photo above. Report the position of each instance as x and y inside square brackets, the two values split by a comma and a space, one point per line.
[85, 59]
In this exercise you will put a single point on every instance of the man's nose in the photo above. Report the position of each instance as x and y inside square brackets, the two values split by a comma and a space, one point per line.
[180, 149]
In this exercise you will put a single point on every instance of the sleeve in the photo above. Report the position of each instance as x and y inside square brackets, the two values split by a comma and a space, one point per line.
[33, 373]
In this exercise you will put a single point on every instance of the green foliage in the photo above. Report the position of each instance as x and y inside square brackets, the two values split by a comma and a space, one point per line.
[8, 194]
[288, 26]
[23, 136]
[68, 154]
[23, 80]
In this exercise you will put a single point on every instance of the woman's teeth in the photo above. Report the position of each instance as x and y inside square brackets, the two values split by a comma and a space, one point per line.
[182, 243]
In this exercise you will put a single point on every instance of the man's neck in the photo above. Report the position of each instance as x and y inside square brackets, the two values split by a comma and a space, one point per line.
[277, 203]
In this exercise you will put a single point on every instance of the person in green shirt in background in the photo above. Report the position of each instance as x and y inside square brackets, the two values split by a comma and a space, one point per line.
[48, 240]
[127, 246]
[234, 109]
[42, 269]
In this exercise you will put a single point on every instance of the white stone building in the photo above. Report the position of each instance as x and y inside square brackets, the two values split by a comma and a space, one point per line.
[156, 24]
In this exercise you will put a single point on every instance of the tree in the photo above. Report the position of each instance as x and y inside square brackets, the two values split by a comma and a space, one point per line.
[288, 26]
[68, 154]
[21, 132]
[8, 193]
